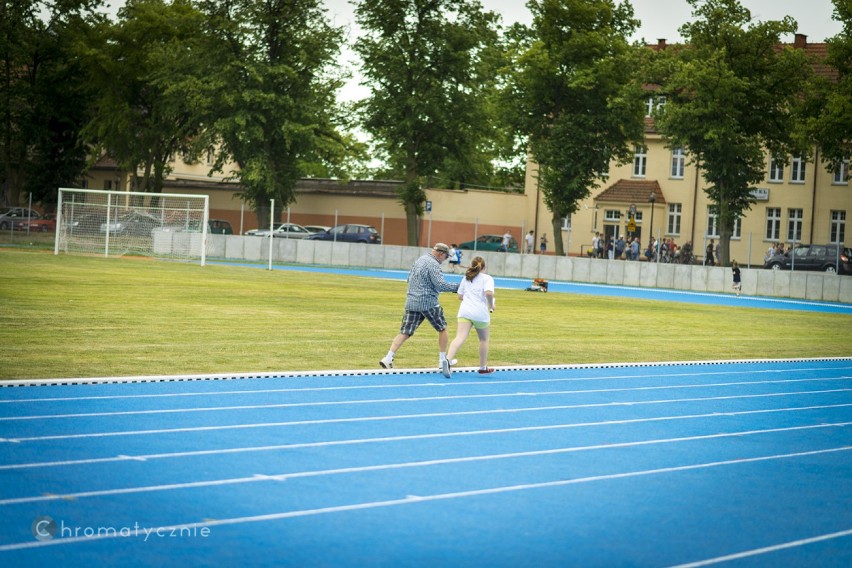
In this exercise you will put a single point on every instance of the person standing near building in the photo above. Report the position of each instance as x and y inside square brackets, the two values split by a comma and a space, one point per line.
[708, 258]
[507, 240]
[476, 293]
[425, 283]
[530, 242]
[543, 243]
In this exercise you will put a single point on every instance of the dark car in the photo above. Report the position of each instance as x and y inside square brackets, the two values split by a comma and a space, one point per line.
[133, 223]
[350, 233]
[824, 258]
[489, 242]
[214, 226]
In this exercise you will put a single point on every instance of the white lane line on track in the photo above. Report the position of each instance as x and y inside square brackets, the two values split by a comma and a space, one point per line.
[413, 499]
[766, 549]
[20, 439]
[416, 399]
[453, 383]
[405, 465]
[410, 437]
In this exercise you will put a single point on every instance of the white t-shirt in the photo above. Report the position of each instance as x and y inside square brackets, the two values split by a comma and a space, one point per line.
[474, 304]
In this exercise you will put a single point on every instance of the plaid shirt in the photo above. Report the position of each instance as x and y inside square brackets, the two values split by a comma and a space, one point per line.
[425, 282]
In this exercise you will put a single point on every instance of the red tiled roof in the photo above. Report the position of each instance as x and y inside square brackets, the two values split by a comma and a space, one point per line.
[632, 191]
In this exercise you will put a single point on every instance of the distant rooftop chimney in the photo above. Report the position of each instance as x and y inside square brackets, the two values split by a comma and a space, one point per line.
[800, 41]
[661, 43]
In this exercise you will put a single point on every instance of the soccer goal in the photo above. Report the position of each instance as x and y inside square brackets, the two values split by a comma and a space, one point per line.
[121, 223]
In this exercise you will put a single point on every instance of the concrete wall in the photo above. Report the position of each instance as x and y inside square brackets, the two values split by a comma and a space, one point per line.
[756, 281]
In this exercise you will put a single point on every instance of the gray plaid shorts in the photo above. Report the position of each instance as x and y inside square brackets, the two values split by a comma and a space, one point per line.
[412, 320]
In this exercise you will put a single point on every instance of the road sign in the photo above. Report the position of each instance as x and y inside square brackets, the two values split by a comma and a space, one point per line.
[428, 206]
[631, 226]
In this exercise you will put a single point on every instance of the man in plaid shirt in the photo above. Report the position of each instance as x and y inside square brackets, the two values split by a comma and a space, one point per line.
[425, 282]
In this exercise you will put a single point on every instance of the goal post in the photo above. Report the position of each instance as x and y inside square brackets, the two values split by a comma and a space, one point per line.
[123, 223]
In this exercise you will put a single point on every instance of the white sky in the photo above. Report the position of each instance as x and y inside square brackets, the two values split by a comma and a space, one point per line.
[660, 19]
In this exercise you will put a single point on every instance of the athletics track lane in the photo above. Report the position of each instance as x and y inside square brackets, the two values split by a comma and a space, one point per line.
[735, 463]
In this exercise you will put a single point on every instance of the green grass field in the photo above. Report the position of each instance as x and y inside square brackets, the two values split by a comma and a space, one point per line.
[71, 316]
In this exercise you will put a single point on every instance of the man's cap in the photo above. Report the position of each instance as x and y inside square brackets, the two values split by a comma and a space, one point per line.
[441, 247]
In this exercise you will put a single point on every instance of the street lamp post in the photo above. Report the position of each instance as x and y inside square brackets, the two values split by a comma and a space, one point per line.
[652, 199]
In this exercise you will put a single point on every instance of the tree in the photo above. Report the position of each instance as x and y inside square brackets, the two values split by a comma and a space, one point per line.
[270, 94]
[140, 121]
[730, 96]
[828, 110]
[573, 97]
[43, 97]
[425, 63]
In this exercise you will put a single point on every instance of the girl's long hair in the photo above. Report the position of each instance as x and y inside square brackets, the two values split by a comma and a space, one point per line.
[477, 265]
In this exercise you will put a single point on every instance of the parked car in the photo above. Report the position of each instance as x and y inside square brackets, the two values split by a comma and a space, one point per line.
[350, 233]
[219, 227]
[10, 216]
[284, 230]
[133, 223]
[317, 228]
[41, 224]
[214, 226]
[85, 224]
[813, 257]
[489, 243]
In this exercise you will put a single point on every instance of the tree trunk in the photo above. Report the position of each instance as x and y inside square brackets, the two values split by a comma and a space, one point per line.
[558, 245]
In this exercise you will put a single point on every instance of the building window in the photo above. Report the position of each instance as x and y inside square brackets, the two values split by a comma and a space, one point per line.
[673, 222]
[776, 169]
[612, 215]
[841, 173]
[794, 225]
[678, 162]
[736, 230]
[654, 103]
[773, 224]
[838, 227]
[797, 170]
[712, 222]
[640, 161]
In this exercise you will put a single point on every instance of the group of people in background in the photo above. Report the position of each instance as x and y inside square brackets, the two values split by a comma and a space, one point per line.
[631, 249]
[775, 250]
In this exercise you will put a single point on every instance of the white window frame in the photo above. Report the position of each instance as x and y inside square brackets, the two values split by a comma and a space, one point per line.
[837, 227]
[795, 223]
[841, 173]
[773, 224]
[678, 162]
[712, 222]
[797, 170]
[674, 219]
[640, 161]
[776, 169]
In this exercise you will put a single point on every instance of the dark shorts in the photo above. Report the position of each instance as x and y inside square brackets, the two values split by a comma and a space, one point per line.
[412, 320]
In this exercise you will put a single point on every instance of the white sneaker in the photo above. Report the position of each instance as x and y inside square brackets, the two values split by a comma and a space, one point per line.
[386, 362]
[453, 363]
[445, 369]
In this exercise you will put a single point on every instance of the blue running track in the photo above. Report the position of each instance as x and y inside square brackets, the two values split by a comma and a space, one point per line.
[676, 464]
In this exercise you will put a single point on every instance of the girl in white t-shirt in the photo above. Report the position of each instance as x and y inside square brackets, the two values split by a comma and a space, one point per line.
[476, 293]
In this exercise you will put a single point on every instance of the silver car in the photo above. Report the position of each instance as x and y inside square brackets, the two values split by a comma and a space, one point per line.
[284, 231]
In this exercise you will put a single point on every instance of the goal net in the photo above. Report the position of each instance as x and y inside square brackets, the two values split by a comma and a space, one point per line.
[119, 223]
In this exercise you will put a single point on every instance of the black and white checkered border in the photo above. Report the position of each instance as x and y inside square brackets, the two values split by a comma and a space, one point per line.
[363, 372]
